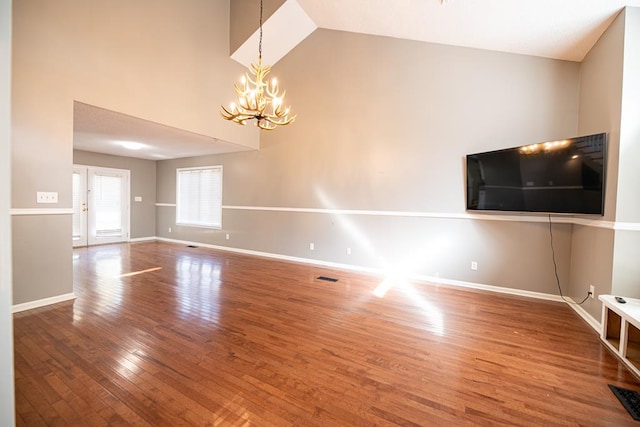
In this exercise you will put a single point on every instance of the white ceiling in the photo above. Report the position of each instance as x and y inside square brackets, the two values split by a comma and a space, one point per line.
[559, 29]
[103, 131]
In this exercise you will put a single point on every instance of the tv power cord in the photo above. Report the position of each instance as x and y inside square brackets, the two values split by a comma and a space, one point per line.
[555, 270]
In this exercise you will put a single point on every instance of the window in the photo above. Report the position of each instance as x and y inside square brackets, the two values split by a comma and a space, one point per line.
[199, 196]
[107, 204]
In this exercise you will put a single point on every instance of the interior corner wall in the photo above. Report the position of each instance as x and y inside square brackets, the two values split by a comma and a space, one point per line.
[156, 60]
[601, 88]
[601, 74]
[375, 162]
[626, 253]
[143, 185]
[7, 394]
[628, 202]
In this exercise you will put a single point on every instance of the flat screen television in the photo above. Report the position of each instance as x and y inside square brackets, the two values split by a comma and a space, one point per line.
[566, 177]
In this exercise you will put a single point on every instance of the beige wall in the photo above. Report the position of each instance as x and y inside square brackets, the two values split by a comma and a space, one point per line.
[143, 184]
[244, 18]
[386, 123]
[609, 100]
[626, 269]
[153, 59]
[34, 236]
[7, 410]
[600, 111]
[383, 127]
[591, 264]
[628, 202]
[600, 101]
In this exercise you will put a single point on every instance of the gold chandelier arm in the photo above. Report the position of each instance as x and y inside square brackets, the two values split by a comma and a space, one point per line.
[238, 117]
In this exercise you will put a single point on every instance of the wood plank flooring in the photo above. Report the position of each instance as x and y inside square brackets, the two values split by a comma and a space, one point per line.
[165, 335]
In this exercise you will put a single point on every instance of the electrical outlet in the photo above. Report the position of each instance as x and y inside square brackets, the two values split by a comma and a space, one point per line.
[348, 251]
[227, 236]
[592, 291]
[311, 246]
[169, 229]
[474, 265]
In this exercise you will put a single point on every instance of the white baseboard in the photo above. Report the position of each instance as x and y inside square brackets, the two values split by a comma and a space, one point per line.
[421, 278]
[597, 326]
[143, 239]
[490, 288]
[377, 271]
[277, 256]
[437, 280]
[42, 302]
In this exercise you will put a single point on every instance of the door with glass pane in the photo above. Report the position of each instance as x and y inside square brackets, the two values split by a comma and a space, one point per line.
[101, 208]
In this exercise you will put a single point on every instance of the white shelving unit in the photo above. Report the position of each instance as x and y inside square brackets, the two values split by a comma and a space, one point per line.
[621, 329]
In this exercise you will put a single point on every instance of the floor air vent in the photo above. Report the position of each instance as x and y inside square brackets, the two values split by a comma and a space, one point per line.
[630, 400]
[328, 279]
[191, 246]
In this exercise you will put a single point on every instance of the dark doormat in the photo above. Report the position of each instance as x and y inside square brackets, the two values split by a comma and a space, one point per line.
[630, 399]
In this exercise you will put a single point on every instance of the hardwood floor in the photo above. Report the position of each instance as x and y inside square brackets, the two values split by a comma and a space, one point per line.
[165, 335]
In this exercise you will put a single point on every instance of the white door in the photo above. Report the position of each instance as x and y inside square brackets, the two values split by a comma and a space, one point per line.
[101, 210]
[80, 206]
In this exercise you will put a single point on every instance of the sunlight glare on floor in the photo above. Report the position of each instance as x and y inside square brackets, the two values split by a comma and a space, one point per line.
[399, 266]
[198, 288]
[393, 278]
[401, 282]
[135, 273]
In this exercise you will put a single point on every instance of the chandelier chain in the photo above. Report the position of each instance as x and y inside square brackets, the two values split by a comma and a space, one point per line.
[260, 43]
[258, 99]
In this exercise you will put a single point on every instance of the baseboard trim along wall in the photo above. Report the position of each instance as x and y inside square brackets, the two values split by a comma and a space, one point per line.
[42, 302]
[421, 278]
[143, 239]
[374, 271]
[596, 325]
[426, 279]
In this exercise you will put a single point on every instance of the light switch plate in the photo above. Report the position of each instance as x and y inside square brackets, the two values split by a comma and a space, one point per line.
[47, 197]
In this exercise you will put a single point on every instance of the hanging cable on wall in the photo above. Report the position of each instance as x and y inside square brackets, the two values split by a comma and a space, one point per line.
[555, 270]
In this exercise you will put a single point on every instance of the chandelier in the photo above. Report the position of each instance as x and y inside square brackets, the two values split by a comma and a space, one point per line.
[258, 100]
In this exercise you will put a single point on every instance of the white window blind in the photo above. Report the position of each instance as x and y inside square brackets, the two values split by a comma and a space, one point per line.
[107, 197]
[77, 208]
[199, 196]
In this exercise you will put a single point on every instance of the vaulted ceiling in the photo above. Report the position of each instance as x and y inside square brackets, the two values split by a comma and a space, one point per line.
[559, 29]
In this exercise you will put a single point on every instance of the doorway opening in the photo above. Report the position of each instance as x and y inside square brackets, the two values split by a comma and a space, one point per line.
[100, 205]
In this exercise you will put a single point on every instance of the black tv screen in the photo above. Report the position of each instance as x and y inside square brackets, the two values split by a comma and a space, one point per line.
[565, 176]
